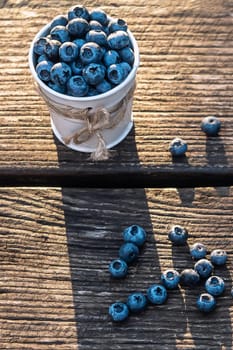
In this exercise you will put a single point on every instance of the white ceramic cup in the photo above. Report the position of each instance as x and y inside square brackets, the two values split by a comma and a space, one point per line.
[64, 126]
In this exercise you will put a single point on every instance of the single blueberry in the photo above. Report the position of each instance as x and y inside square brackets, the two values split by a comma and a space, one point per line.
[90, 53]
[118, 268]
[77, 67]
[189, 278]
[94, 73]
[118, 40]
[58, 88]
[117, 24]
[118, 311]
[128, 252]
[134, 234]
[218, 257]
[111, 57]
[79, 42]
[78, 11]
[43, 70]
[103, 86]
[126, 67]
[206, 302]
[68, 52]
[127, 55]
[60, 33]
[99, 15]
[157, 294]
[60, 73]
[59, 20]
[178, 147]
[116, 73]
[97, 36]
[78, 27]
[215, 285]
[137, 302]
[42, 57]
[77, 86]
[92, 91]
[204, 268]
[93, 25]
[198, 251]
[39, 44]
[210, 125]
[51, 49]
[170, 278]
[178, 235]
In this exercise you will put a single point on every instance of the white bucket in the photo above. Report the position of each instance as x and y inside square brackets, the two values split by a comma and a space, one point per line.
[65, 126]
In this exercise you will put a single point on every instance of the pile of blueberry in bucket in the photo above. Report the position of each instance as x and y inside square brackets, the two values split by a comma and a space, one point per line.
[84, 53]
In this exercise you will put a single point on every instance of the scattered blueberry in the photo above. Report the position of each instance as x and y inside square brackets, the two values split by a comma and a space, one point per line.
[157, 294]
[134, 234]
[215, 285]
[43, 70]
[178, 147]
[189, 278]
[137, 302]
[119, 311]
[77, 86]
[128, 252]
[118, 268]
[198, 251]
[206, 302]
[170, 278]
[178, 235]
[218, 257]
[204, 268]
[211, 125]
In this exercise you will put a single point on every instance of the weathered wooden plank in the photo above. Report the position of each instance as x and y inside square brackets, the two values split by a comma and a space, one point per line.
[185, 74]
[55, 248]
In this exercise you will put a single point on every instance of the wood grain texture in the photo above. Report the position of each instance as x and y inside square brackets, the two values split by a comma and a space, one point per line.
[55, 248]
[185, 74]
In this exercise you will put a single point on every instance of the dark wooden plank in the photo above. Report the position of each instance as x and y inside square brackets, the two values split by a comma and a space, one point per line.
[55, 248]
[185, 74]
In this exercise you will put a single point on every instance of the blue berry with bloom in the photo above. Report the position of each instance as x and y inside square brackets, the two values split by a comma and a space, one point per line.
[77, 86]
[58, 88]
[170, 278]
[78, 11]
[96, 25]
[111, 57]
[118, 311]
[118, 40]
[117, 24]
[90, 53]
[137, 302]
[218, 257]
[215, 285]
[59, 20]
[211, 125]
[134, 234]
[204, 268]
[127, 55]
[43, 70]
[39, 45]
[189, 277]
[99, 15]
[68, 52]
[60, 33]
[178, 235]
[178, 147]
[118, 268]
[60, 73]
[77, 67]
[78, 27]
[157, 294]
[51, 49]
[206, 302]
[103, 86]
[116, 73]
[128, 252]
[97, 36]
[94, 73]
[198, 251]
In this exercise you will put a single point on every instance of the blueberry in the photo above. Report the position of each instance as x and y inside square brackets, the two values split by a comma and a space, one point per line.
[137, 302]
[134, 234]
[126, 67]
[117, 24]
[170, 278]
[60, 33]
[198, 251]
[77, 86]
[118, 268]
[127, 55]
[206, 302]
[99, 15]
[68, 52]
[178, 235]
[204, 268]
[178, 147]
[215, 285]
[43, 70]
[58, 88]
[79, 42]
[51, 49]
[78, 27]
[128, 252]
[118, 311]
[38, 46]
[210, 125]
[97, 36]
[157, 294]
[78, 11]
[93, 25]
[90, 53]
[116, 73]
[42, 57]
[218, 257]
[59, 20]
[189, 278]
[103, 86]
[92, 91]
[60, 73]
[94, 73]
[111, 57]
[77, 67]
[118, 40]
